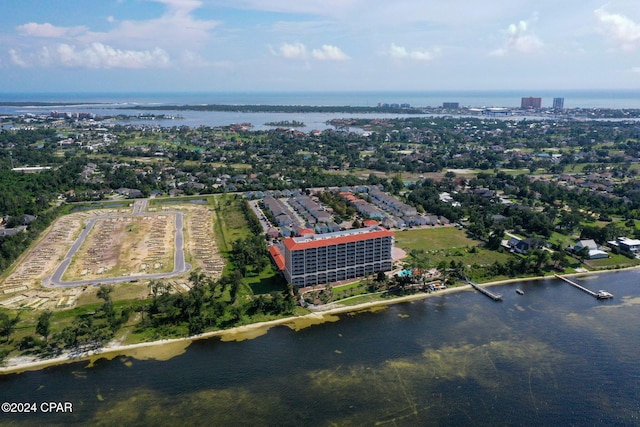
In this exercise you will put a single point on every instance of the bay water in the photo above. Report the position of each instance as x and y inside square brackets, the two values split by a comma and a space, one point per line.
[552, 356]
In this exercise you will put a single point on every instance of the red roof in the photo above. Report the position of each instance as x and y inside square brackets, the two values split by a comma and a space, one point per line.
[319, 242]
[277, 257]
[304, 231]
[370, 223]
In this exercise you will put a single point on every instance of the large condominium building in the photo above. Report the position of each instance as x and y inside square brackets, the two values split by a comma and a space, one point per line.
[558, 103]
[332, 257]
[531, 102]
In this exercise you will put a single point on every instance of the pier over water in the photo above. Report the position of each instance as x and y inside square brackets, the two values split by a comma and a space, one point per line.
[492, 295]
[600, 294]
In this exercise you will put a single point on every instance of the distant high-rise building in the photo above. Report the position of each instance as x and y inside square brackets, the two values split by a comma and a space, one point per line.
[558, 103]
[451, 105]
[531, 102]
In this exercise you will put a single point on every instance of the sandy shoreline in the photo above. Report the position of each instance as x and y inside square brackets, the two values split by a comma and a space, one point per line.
[179, 345]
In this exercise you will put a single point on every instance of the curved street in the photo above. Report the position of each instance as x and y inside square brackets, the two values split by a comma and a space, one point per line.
[180, 266]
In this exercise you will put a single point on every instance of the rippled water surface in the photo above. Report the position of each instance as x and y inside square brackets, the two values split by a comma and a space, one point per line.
[553, 356]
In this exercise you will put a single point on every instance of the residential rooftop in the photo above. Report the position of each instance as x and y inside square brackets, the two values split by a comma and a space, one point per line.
[338, 237]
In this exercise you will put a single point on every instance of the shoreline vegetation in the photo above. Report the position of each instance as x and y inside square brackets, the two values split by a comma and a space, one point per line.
[177, 346]
[602, 113]
[582, 112]
[286, 123]
[249, 108]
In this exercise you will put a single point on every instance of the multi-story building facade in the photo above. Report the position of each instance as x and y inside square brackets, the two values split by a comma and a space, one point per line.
[333, 257]
[626, 244]
[530, 102]
[558, 103]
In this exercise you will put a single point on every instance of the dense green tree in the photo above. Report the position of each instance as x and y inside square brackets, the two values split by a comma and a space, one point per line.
[7, 324]
[43, 327]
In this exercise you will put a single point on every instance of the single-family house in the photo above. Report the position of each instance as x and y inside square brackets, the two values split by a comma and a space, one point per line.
[593, 250]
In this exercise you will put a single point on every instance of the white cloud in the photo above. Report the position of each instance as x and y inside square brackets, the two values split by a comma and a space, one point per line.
[96, 55]
[175, 29]
[401, 52]
[519, 39]
[635, 70]
[619, 29]
[291, 51]
[17, 59]
[329, 53]
[128, 44]
[48, 30]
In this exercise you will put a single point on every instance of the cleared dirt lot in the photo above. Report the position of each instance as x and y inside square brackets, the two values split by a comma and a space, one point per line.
[118, 245]
[200, 244]
[125, 245]
[42, 259]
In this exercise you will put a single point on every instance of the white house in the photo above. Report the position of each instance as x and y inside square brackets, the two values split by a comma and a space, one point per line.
[595, 251]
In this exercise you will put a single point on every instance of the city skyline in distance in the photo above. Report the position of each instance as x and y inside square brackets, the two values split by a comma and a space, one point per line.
[330, 45]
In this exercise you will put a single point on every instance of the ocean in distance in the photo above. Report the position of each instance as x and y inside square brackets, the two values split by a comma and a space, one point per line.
[511, 99]
[554, 356]
[109, 104]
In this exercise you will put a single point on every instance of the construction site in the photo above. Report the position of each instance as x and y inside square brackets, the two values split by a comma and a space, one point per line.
[200, 243]
[128, 245]
[109, 246]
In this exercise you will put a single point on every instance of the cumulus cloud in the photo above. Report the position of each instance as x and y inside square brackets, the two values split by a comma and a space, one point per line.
[401, 52]
[127, 44]
[299, 51]
[329, 53]
[519, 39]
[291, 51]
[96, 55]
[619, 29]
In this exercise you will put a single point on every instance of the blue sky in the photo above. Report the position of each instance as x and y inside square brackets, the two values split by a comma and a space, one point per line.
[317, 45]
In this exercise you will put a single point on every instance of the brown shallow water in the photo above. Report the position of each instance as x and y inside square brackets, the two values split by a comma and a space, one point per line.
[553, 356]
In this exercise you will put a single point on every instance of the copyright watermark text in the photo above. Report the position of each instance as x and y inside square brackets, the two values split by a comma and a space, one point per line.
[33, 407]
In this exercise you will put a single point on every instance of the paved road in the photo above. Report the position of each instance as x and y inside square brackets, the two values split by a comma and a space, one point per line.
[258, 211]
[140, 206]
[179, 264]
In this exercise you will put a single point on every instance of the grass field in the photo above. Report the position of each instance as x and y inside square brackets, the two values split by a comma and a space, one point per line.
[230, 223]
[428, 239]
[613, 261]
[267, 281]
[476, 256]
[561, 240]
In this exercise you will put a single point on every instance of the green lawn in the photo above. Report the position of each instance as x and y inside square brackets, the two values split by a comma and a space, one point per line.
[229, 223]
[265, 282]
[429, 239]
[477, 256]
[561, 240]
[613, 261]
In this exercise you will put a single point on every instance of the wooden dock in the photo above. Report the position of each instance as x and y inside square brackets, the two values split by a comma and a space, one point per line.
[493, 296]
[600, 294]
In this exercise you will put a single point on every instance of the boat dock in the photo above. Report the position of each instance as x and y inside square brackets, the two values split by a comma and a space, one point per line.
[493, 296]
[600, 294]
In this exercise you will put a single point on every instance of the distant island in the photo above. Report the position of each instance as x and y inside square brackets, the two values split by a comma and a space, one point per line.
[286, 124]
[279, 108]
[580, 113]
